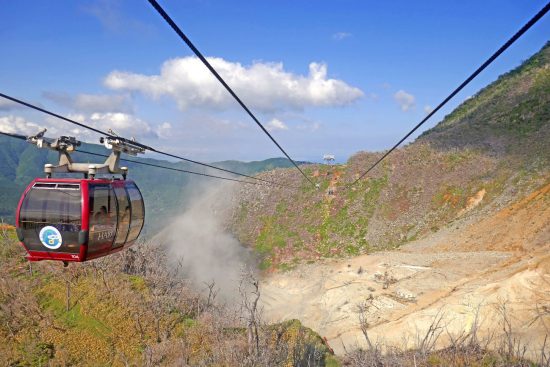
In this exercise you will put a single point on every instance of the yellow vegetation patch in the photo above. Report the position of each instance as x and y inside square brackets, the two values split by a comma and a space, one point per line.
[98, 325]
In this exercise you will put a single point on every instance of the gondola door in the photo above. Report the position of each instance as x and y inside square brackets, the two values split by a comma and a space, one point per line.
[103, 219]
[124, 214]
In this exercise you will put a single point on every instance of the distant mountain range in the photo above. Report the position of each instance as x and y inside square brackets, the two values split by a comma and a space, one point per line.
[163, 190]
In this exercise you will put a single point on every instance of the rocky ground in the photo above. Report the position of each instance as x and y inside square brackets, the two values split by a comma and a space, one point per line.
[467, 272]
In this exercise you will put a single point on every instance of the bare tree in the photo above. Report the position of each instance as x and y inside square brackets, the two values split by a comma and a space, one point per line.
[212, 293]
[436, 328]
[69, 275]
[249, 290]
[363, 310]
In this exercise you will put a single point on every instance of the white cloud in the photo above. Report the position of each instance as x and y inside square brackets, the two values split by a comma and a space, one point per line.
[428, 109]
[18, 125]
[92, 102]
[71, 130]
[263, 86]
[122, 123]
[405, 100]
[78, 117]
[276, 124]
[6, 104]
[126, 125]
[164, 130]
[338, 36]
[104, 112]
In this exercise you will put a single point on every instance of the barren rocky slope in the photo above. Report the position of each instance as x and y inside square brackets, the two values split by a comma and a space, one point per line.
[490, 151]
[455, 225]
[466, 275]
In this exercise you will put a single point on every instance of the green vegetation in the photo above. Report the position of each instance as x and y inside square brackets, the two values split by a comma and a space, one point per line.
[496, 141]
[335, 227]
[97, 314]
[457, 158]
[515, 106]
[272, 235]
[73, 318]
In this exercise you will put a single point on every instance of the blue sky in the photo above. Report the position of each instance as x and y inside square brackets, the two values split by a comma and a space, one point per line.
[326, 77]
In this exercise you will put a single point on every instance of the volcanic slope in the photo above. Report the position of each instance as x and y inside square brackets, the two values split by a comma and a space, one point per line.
[491, 151]
[471, 269]
[456, 223]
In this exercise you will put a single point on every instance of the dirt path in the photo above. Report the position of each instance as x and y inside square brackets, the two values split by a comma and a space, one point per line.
[502, 259]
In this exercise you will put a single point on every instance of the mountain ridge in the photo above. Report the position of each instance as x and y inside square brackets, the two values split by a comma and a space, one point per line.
[491, 150]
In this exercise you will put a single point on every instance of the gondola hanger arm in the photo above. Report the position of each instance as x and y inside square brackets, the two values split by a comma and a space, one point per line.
[65, 145]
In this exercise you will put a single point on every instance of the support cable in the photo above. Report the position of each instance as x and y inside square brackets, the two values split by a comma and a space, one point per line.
[185, 39]
[171, 168]
[503, 48]
[16, 136]
[151, 149]
[22, 137]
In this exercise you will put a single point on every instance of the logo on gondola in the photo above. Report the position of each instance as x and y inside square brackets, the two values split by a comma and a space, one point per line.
[50, 237]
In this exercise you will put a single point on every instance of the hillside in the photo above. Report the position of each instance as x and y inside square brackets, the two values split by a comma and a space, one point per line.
[490, 151]
[432, 253]
[21, 162]
[445, 243]
[439, 256]
[132, 309]
[485, 277]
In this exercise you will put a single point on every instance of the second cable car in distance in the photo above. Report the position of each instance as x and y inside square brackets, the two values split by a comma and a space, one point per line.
[79, 219]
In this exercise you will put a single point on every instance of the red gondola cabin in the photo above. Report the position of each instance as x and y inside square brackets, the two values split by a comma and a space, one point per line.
[78, 219]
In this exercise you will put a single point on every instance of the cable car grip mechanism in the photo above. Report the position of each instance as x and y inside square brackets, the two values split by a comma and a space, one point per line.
[66, 145]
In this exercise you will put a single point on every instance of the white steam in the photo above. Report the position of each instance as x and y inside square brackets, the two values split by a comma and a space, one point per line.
[198, 238]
